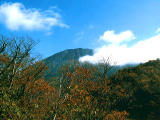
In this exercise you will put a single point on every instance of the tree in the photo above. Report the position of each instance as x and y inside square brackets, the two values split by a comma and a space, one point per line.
[17, 69]
[88, 96]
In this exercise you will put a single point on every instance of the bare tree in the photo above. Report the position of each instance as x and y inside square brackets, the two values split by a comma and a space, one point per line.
[17, 67]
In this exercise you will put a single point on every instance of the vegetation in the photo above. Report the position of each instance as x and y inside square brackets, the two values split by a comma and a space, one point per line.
[79, 92]
[142, 84]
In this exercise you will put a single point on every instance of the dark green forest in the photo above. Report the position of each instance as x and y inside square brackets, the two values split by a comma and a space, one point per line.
[76, 91]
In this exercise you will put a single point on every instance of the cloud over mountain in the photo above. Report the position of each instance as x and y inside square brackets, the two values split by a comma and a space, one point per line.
[140, 52]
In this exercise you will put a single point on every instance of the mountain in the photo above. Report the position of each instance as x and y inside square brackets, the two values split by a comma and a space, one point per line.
[57, 60]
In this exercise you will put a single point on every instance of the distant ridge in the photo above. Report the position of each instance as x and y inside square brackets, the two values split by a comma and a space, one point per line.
[57, 60]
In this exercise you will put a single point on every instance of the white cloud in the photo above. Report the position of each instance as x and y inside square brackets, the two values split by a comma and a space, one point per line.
[144, 50]
[15, 16]
[111, 37]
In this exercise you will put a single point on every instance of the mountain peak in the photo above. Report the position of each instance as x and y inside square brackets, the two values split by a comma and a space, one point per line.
[57, 60]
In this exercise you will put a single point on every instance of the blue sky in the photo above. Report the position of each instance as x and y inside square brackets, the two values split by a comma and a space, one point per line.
[67, 24]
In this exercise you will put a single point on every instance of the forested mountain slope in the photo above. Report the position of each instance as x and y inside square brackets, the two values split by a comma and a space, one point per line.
[142, 83]
[55, 61]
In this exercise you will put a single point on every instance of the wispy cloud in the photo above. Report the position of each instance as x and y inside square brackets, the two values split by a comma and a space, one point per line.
[15, 16]
[78, 36]
[158, 30]
[140, 52]
[91, 26]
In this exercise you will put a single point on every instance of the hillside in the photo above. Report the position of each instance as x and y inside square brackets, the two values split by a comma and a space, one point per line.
[142, 84]
[57, 60]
